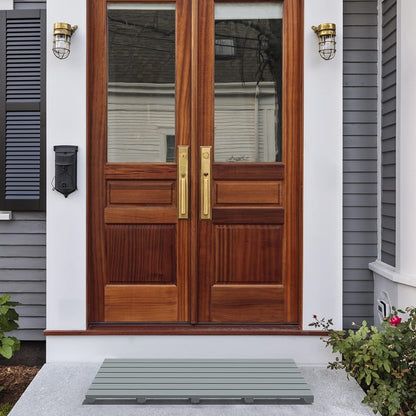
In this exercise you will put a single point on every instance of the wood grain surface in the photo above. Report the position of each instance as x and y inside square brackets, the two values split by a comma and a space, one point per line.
[141, 192]
[248, 253]
[247, 303]
[244, 266]
[141, 253]
[141, 303]
[247, 192]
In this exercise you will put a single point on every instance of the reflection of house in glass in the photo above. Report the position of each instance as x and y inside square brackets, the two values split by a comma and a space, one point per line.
[141, 91]
[245, 122]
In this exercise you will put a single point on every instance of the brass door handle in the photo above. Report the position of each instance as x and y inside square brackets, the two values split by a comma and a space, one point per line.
[183, 182]
[205, 183]
[183, 195]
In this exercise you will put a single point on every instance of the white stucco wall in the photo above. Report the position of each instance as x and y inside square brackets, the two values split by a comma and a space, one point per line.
[66, 218]
[322, 193]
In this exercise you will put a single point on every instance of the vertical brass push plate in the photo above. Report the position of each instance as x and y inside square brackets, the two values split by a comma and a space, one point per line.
[205, 183]
[183, 182]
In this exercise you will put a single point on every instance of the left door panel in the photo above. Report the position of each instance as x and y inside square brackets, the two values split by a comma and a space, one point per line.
[138, 263]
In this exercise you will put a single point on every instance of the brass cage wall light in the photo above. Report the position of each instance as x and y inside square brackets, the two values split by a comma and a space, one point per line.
[62, 33]
[326, 35]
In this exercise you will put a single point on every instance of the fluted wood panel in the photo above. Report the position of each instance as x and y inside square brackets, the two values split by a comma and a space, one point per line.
[248, 253]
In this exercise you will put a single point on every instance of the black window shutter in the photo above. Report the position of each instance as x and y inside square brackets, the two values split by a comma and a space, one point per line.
[22, 110]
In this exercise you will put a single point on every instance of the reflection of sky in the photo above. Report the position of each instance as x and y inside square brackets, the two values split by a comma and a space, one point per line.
[233, 11]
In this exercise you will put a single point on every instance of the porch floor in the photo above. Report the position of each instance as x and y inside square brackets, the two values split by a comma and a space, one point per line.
[59, 390]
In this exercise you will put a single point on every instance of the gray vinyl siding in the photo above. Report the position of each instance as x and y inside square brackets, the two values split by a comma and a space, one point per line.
[22, 270]
[23, 257]
[360, 158]
[388, 132]
[26, 4]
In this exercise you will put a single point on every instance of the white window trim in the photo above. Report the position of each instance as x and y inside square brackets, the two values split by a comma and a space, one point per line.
[405, 270]
[6, 4]
[391, 273]
[398, 131]
[379, 129]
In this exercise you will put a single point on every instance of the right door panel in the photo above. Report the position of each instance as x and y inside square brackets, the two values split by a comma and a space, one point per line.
[249, 246]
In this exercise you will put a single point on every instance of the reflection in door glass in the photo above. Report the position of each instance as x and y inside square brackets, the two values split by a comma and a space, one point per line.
[248, 82]
[141, 82]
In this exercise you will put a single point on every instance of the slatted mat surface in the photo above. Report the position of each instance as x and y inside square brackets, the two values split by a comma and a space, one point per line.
[129, 381]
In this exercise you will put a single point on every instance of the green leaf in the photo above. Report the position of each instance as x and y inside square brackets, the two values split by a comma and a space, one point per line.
[12, 314]
[8, 341]
[6, 351]
[4, 299]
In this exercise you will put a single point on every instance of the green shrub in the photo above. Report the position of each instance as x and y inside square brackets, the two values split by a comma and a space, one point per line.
[382, 361]
[5, 409]
[8, 318]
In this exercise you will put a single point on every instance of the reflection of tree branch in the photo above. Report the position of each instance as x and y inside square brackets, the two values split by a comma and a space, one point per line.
[141, 36]
[128, 25]
[134, 46]
[270, 57]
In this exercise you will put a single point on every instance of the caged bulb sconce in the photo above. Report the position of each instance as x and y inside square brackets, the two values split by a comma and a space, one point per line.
[326, 35]
[62, 33]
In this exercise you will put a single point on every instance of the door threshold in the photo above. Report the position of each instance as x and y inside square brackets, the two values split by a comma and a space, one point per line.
[188, 329]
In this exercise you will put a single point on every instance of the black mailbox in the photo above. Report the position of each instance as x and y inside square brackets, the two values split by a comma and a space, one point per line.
[65, 169]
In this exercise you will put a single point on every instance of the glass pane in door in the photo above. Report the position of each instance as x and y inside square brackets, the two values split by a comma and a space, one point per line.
[248, 82]
[141, 82]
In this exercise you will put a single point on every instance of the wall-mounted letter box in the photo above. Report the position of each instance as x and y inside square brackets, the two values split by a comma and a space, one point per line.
[65, 169]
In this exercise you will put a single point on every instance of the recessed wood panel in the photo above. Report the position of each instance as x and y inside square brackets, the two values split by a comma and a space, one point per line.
[140, 170]
[145, 303]
[140, 192]
[247, 303]
[248, 253]
[140, 215]
[141, 253]
[253, 171]
[247, 215]
[248, 192]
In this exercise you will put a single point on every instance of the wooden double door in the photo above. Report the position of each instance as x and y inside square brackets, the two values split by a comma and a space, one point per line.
[194, 162]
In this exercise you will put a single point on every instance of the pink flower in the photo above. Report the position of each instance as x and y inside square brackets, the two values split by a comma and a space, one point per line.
[395, 320]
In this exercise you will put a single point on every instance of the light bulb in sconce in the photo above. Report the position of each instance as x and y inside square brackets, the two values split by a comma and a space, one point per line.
[326, 37]
[62, 33]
